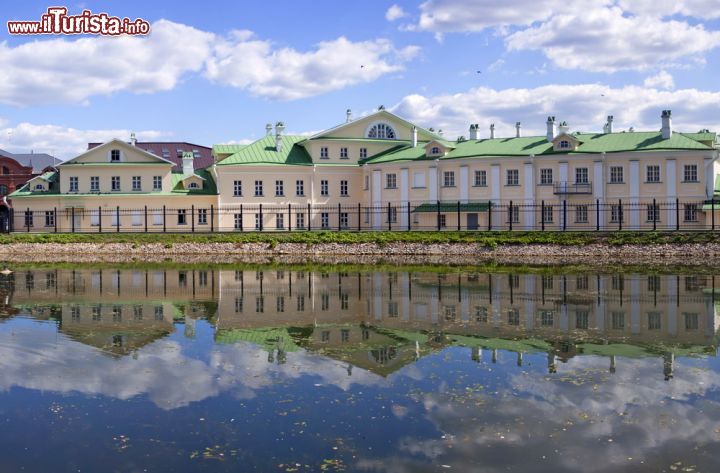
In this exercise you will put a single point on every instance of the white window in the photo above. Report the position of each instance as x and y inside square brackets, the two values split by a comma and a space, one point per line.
[182, 217]
[581, 214]
[363, 153]
[564, 144]
[115, 183]
[480, 178]
[653, 173]
[94, 184]
[257, 221]
[258, 188]
[691, 212]
[157, 183]
[616, 214]
[512, 177]
[690, 173]
[136, 183]
[546, 176]
[137, 218]
[157, 217]
[653, 213]
[115, 156]
[300, 188]
[193, 185]
[616, 175]
[324, 153]
[514, 214]
[300, 221]
[391, 181]
[324, 188]
[344, 220]
[237, 188]
[392, 214]
[238, 223]
[38, 187]
[280, 221]
[343, 153]
[435, 150]
[581, 176]
[115, 218]
[279, 188]
[344, 188]
[449, 178]
[382, 131]
[442, 220]
[95, 218]
[49, 218]
[547, 214]
[325, 220]
[73, 184]
[29, 218]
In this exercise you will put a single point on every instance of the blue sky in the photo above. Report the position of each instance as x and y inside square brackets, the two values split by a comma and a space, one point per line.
[218, 71]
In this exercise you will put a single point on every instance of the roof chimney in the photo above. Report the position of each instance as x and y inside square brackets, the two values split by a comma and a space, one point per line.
[268, 129]
[348, 115]
[279, 127]
[564, 128]
[187, 163]
[517, 129]
[666, 124]
[492, 131]
[551, 128]
[610, 124]
[473, 131]
[414, 136]
[133, 140]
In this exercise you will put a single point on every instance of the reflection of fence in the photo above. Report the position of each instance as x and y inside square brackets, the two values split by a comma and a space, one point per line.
[555, 215]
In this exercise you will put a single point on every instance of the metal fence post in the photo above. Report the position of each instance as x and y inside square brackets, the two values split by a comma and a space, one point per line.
[597, 215]
[620, 214]
[164, 219]
[55, 218]
[212, 218]
[677, 214]
[242, 219]
[192, 218]
[490, 204]
[309, 215]
[359, 216]
[146, 225]
[409, 217]
[655, 212]
[260, 227]
[388, 217]
[510, 215]
[27, 219]
[458, 215]
[438, 215]
[72, 218]
[99, 219]
[564, 214]
[712, 211]
[339, 222]
[542, 215]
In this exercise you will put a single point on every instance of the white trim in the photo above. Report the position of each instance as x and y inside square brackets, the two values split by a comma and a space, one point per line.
[123, 144]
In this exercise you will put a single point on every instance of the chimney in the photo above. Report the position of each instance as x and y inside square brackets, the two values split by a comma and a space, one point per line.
[187, 163]
[610, 124]
[133, 140]
[473, 132]
[666, 124]
[268, 129]
[492, 131]
[414, 136]
[550, 128]
[348, 116]
[564, 128]
[517, 129]
[279, 127]
[440, 132]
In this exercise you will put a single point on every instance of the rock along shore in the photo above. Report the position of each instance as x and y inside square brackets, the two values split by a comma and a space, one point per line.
[365, 253]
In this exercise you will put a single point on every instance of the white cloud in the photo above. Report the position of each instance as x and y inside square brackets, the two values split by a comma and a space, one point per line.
[608, 40]
[584, 106]
[63, 142]
[704, 9]
[71, 71]
[288, 74]
[661, 80]
[395, 12]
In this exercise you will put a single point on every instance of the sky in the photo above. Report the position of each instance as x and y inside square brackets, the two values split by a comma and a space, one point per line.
[218, 71]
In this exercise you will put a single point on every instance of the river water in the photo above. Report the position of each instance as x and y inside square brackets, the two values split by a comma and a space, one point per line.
[265, 368]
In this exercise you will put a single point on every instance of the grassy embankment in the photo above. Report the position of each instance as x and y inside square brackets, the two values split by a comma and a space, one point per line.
[488, 239]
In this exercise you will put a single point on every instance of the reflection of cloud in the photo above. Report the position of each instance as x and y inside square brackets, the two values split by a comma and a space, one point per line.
[37, 359]
[582, 419]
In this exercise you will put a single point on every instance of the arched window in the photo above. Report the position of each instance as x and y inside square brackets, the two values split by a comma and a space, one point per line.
[382, 131]
[115, 155]
[39, 187]
[564, 144]
[6, 170]
[435, 150]
[193, 185]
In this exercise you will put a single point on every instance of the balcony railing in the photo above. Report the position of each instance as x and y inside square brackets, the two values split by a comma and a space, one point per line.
[570, 188]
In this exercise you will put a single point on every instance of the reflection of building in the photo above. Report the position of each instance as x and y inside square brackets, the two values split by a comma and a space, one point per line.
[383, 321]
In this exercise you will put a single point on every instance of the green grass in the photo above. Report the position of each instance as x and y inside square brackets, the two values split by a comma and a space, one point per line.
[488, 239]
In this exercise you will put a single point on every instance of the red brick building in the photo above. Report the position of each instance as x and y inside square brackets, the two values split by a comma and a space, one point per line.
[12, 175]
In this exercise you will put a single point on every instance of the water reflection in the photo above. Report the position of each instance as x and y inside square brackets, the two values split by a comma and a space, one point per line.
[465, 367]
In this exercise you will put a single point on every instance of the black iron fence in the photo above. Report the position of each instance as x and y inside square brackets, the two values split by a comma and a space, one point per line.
[551, 215]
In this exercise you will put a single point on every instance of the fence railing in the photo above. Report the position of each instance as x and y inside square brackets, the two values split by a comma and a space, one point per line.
[555, 215]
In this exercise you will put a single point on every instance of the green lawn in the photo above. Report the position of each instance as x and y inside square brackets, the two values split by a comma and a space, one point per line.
[489, 239]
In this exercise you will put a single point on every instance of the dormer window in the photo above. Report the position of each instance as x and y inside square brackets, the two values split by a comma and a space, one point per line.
[564, 144]
[193, 185]
[435, 150]
[115, 156]
[382, 131]
[39, 187]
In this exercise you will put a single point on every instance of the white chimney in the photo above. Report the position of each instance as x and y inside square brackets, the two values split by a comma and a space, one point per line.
[133, 141]
[279, 127]
[348, 115]
[268, 129]
[564, 128]
[610, 124]
[440, 132]
[473, 131]
[551, 128]
[517, 129]
[187, 163]
[492, 131]
[414, 136]
[666, 124]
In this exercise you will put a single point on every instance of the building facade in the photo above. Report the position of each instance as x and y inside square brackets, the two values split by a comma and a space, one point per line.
[383, 172]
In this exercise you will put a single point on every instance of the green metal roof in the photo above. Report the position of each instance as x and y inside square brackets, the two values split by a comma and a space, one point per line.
[227, 149]
[263, 152]
[538, 145]
[452, 207]
[208, 185]
[268, 338]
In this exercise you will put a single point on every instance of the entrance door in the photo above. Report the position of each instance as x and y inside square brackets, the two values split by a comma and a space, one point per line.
[472, 221]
